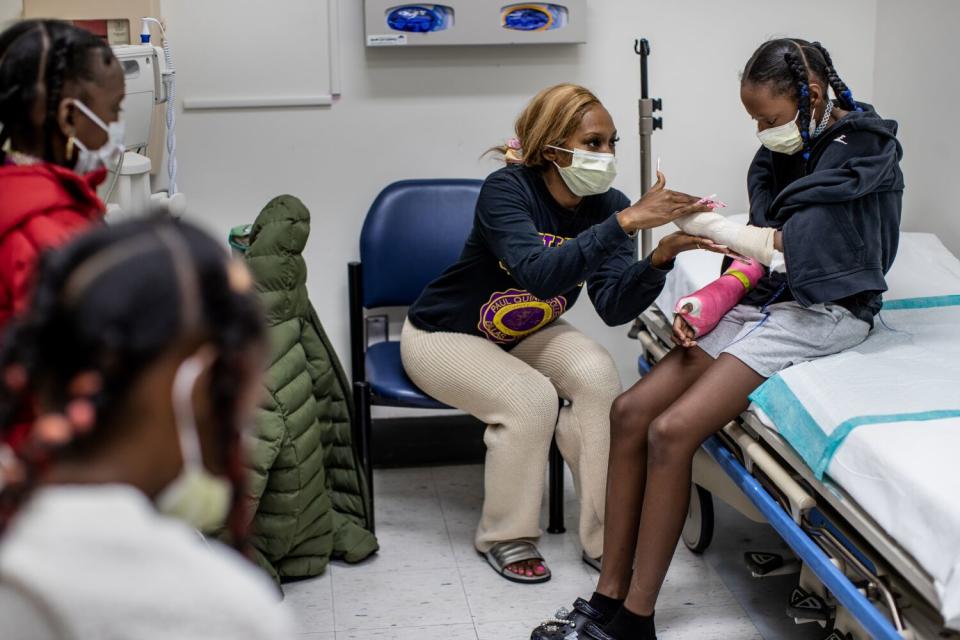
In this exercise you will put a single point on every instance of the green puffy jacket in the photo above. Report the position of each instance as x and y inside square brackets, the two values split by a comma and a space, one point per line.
[310, 499]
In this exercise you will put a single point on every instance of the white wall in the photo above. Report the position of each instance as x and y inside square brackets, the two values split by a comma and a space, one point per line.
[10, 10]
[408, 113]
[917, 85]
[430, 113]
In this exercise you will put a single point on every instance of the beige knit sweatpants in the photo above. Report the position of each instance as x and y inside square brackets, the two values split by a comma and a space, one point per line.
[517, 394]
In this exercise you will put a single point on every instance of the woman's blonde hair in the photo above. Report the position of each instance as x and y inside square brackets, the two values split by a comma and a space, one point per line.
[551, 117]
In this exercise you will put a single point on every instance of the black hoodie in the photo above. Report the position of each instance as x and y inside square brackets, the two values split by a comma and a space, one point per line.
[527, 258]
[839, 212]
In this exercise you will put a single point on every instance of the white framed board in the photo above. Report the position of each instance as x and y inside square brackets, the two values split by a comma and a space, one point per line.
[300, 67]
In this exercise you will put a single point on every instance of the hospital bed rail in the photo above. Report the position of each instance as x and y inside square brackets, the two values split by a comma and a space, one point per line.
[806, 549]
[878, 588]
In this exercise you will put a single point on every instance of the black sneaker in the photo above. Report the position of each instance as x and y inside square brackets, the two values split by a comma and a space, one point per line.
[592, 631]
[568, 625]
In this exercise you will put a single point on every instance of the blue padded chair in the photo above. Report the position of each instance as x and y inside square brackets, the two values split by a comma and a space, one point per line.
[414, 230]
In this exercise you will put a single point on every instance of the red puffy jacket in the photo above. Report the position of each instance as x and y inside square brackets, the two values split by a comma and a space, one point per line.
[41, 206]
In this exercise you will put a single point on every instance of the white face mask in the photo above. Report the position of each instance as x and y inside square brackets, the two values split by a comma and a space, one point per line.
[106, 156]
[783, 139]
[590, 173]
[195, 496]
[787, 137]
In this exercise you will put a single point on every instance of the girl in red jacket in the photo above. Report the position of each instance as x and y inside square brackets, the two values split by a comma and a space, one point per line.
[60, 94]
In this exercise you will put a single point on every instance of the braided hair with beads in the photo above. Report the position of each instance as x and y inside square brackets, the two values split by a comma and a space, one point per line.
[788, 66]
[795, 63]
[840, 88]
[106, 308]
[38, 59]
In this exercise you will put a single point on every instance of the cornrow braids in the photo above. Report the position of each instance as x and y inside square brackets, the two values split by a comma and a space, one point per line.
[129, 313]
[799, 71]
[840, 88]
[56, 71]
[38, 59]
[22, 50]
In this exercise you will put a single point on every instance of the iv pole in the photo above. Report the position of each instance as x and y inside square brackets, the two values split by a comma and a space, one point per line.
[648, 124]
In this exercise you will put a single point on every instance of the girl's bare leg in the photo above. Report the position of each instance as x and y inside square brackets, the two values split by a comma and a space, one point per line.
[715, 398]
[630, 419]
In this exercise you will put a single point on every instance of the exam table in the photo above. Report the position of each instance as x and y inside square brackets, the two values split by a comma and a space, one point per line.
[859, 474]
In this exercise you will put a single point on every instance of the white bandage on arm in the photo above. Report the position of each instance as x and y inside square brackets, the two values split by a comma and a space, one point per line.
[779, 262]
[752, 242]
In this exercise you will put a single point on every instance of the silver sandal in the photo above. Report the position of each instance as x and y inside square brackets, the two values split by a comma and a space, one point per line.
[503, 554]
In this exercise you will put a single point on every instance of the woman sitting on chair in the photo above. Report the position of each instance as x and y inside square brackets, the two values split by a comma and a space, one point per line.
[486, 337]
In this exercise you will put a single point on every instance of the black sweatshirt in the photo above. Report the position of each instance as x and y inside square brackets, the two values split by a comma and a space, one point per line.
[527, 258]
[839, 212]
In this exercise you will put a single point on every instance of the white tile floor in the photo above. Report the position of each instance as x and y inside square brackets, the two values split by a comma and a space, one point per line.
[428, 583]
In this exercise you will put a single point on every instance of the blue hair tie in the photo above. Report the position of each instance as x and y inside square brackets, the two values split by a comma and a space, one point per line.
[849, 96]
[804, 90]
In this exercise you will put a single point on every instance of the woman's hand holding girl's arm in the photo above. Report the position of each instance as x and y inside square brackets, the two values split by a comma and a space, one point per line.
[676, 243]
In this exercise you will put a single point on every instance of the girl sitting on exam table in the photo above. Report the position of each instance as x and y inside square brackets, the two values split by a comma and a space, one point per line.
[825, 199]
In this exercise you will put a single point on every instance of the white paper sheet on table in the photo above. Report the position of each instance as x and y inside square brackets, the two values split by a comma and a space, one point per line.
[905, 475]
[883, 419]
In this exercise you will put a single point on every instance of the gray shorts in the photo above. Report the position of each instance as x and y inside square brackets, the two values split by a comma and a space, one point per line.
[790, 335]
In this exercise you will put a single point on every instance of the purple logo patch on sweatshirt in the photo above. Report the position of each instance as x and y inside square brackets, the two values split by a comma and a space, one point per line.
[513, 314]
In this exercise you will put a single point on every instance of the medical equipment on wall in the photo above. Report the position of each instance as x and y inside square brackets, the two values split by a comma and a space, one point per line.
[116, 21]
[420, 18]
[150, 81]
[534, 16]
[474, 22]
